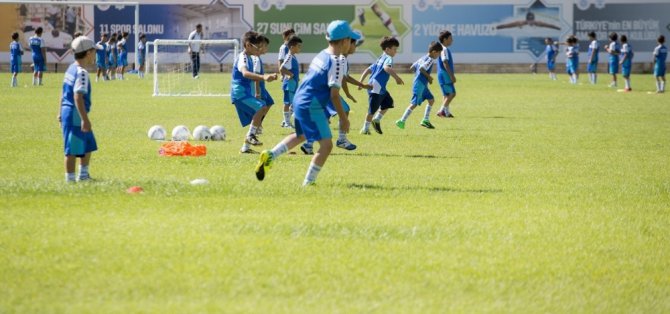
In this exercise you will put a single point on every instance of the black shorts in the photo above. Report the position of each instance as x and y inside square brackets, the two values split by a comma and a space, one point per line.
[377, 101]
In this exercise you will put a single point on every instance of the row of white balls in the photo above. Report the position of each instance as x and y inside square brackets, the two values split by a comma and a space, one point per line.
[182, 133]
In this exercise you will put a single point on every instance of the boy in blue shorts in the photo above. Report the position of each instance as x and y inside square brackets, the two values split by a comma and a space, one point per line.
[572, 59]
[39, 54]
[551, 50]
[75, 105]
[113, 57]
[141, 58]
[263, 44]
[101, 57]
[248, 100]
[626, 62]
[290, 70]
[122, 62]
[15, 53]
[420, 91]
[445, 74]
[379, 99]
[592, 62]
[614, 50]
[660, 55]
[321, 83]
[283, 51]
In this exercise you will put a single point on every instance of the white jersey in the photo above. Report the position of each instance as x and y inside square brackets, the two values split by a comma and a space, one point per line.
[195, 47]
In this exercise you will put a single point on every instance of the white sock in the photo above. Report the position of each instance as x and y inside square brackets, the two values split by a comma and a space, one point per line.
[309, 143]
[83, 172]
[446, 110]
[426, 115]
[627, 82]
[595, 78]
[662, 86]
[287, 116]
[34, 80]
[245, 147]
[14, 81]
[312, 173]
[252, 130]
[366, 125]
[406, 114]
[39, 81]
[378, 116]
[341, 135]
[278, 150]
[70, 177]
[658, 86]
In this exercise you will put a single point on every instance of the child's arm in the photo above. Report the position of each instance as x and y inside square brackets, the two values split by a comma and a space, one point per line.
[426, 75]
[285, 72]
[258, 77]
[365, 74]
[345, 88]
[360, 85]
[390, 71]
[335, 99]
[450, 71]
[81, 108]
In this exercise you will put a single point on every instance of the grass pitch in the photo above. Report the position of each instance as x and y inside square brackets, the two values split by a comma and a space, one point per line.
[539, 196]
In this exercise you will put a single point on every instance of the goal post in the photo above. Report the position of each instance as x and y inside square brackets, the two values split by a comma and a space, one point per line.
[173, 67]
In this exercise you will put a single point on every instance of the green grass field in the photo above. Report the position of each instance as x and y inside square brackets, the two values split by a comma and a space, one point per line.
[540, 197]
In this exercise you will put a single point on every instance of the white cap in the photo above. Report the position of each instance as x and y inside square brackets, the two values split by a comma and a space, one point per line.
[82, 43]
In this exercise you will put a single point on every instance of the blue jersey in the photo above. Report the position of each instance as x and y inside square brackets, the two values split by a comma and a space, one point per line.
[76, 81]
[257, 67]
[614, 52]
[15, 52]
[551, 51]
[291, 64]
[325, 72]
[141, 50]
[627, 55]
[572, 52]
[240, 85]
[101, 52]
[122, 48]
[593, 51]
[426, 63]
[379, 77]
[36, 45]
[442, 75]
[283, 51]
[660, 56]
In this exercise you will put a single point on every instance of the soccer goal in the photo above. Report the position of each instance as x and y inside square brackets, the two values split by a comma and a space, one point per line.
[173, 67]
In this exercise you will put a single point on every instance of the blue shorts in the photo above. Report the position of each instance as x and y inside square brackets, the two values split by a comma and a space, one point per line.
[247, 108]
[659, 70]
[101, 65]
[288, 97]
[330, 108]
[312, 123]
[613, 67]
[111, 64]
[38, 66]
[625, 71]
[15, 67]
[267, 98]
[76, 142]
[377, 101]
[423, 94]
[140, 60]
[123, 60]
[592, 67]
[448, 89]
[551, 65]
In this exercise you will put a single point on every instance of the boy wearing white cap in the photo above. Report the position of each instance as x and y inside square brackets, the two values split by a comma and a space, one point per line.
[321, 84]
[74, 107]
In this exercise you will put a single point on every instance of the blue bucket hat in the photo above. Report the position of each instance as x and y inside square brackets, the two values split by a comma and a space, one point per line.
[340, 29]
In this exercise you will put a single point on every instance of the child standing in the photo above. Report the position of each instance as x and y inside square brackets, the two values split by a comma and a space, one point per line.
[141, 58]
[445, 74]
[420, 91]
[113, 57]
[379, 99]
[322, 82]
[551, 50]
[660, 55]
[283, 51]
[572, 60]
[122, 62]
[39, 53]
[592, 63]
[614, 50]
[75, 105]
[290, 71]
[263, 44]
[626, 62]
[100, 57]
[15, 52]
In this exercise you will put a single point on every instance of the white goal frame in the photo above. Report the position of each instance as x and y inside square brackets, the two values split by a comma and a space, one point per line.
[185, 42]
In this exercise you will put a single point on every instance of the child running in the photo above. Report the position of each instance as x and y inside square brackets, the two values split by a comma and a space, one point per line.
[420, 91]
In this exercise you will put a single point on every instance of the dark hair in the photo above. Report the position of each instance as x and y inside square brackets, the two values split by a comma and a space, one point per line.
[77, 34]
[15, 36]
[103, 35]
[125, 34]
[661, 39]
[613, 36]
[143, 36]
[293, 41]
[444, 35]
[624, 38]
[435, 46]
[39, 30]
[198, 26]
[250, 37]
[389, 42]
[592, 35]
[264, 39]
[80, 55]
[288, 32]
[113, 36]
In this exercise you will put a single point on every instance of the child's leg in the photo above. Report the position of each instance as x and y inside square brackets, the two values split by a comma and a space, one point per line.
[663, 83]
[407, 112]
[319, 159]
[70, 162]
[426, 114]
[627, 82]
[14, 80]
[445, 104]
[83, 167]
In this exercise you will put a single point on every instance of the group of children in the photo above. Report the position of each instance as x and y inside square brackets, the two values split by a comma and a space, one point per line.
[620, 55]
[39, 57]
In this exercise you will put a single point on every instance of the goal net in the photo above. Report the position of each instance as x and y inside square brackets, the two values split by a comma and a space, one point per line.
[173, 67]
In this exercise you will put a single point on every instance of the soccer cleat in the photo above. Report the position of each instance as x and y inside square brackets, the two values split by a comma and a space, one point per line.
[285, 124]
[86, 178]
[449, 115]
[426, 124]
[345, 144]
[365, 131]
[400, 124]
[252, 140]
[264, 163]
[377, 125]
[308, 150]
[441, 114]
[628, 90]
[248, 151]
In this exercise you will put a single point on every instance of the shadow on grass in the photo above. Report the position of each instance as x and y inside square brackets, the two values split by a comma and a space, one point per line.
[395, 155]
[419, 188]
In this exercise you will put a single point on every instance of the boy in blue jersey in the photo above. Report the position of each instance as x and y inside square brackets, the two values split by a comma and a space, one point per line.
[283, 51]
[420, 91]
[592, 62]
[380, 100]
[660, 56]
[445, 74]
[614, 50]
[113, 57]
[626, 62]
[141, 58]
[551, 50]
[245, 95]
[572, 59]
[75, 105]
[122, 62]
[15, 53]
[101, 57]
[290, 71]
[39, 53]
[321, 83]
[257, 66]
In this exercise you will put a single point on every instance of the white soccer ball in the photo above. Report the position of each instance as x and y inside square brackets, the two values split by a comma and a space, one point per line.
[201, 133]
[157, 133]
[180, 133]
[218, 133]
